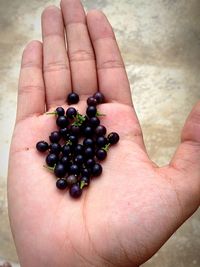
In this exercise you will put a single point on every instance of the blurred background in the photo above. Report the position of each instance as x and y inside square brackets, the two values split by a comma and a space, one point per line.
[160, 43]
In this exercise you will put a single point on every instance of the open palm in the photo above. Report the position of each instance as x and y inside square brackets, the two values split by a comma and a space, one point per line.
[133, 208]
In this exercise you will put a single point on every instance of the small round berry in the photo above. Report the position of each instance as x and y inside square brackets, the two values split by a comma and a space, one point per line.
[71, 113]
[51, 160]
[89, 152]
[101, 154]
[99, 97]
[73, 140]
[88, 142]
[91, 111]
[64, 132]
[71, 179]
[100, 130]
[79, 159]
[42, 146]
[74, 169]
[84, 181]
[55, 148]
[60, 170]
[87, 131]
[75, 191]
[91, 101]
[60, 111]
[66, 150]
[90, 163]
[113, 138]
[86, 172]
[65, 160]
[61, 184]
[94, 122]
[62, 122]
[96, 170]
[72, 98]
[75, 130]
[101, 141]
[55, 137]
[78, 149]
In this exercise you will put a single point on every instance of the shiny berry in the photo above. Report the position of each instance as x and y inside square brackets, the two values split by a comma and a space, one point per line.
[91, 101]
[60, 170]
[73, 140]
[60, 111]
[65, 160]
[71, 179]
[51, 160]
[88, 131]
[66, 150]
[100, 130]
[89, 152]
[101, 154]
[101, 141]
[91, 111]
[90, 163]
[94, 122]
[55, 137]
[78, 149]
[113, 138]
[62, 122]
[61, 184]
[84, 181]
[64, 132]
[74, 169]
[75, 130]
[42, 146]
[86, 172]
[71, 113]
[75, 191]
[88, 142]
[79, 160]
[99, 97]
[55, 148]
[72, 98]
[96, 170]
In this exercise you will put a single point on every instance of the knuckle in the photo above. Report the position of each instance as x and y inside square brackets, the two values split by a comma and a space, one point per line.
[81, 55]
[28, 89]
[110, 64]
[55, 66]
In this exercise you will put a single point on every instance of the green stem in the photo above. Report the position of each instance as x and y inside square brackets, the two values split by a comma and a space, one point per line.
[51, 113]
[106, 147]
[100, 114]
[49, 168]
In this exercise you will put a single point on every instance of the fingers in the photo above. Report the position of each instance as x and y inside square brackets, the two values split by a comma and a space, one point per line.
[113, 81]
[31, 94]
[186, 161]
[80, 51]
[56, 64]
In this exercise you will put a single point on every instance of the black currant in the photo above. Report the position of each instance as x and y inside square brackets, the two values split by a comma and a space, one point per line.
[89, 152]
[100, 130]
[74, 169]
[51, 160]
[60, 111]
[91, 101]
[94, 122]
[71, 113]
[91, 111]
[61, 184]
[86, 172]
[71, 179]
[73, 140]
[60, 170]
[88, 131]
[113, 138]
[55, 148]
[75, 191]
[88, 142]
[79, 160]
[42, 146]
[65, 160]
[66, 150]
[101, 141]
[99, 97]
[90, 163]
[78, 149]
[62, 122]
[101, 154]
[96, 170]
[64, 132]
[75, 130]
[72, 98]
[55, 137]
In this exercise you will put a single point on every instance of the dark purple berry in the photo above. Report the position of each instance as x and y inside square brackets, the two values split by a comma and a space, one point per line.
[94, 122]
[73, 140]
[60, 111]
[79, 160]
[100, 130]
[91, 101]
[96, 170]
[75, 191]
[65, 160]
[101, 141]
[89, 152]
[90, 163]
[88, 131]
[71, 179]
[61, 184]
[62, 122]
[51, 160]
[55, 137]
[60, 170]
[91, 111]
[101, 154]
[99, 97]
[88, 142]
[75, 130]
[64, 132]
[42, 146]
[74, 169]
[78, 149]
[66, 150]
[55, 148]
[86, 172]
[113, 138]
[72, 98]
[71, 113]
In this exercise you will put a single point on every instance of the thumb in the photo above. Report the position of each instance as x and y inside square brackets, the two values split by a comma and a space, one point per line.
[184, 168]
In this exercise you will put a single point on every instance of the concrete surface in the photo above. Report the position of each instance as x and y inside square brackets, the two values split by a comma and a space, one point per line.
[160, 43]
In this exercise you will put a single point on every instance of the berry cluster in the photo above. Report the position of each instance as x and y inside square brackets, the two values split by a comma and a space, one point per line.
[73, 162]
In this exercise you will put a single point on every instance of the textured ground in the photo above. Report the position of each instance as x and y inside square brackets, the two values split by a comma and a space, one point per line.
[160, 43]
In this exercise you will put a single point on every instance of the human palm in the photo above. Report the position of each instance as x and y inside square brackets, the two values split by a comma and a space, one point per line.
[125, 215]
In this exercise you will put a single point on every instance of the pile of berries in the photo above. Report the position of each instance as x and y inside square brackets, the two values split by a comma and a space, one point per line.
[73, 162]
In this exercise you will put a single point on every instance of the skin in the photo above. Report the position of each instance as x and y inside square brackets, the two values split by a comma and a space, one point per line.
[129, 212]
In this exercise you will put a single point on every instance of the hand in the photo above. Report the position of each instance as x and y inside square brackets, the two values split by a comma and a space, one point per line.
[129, 212]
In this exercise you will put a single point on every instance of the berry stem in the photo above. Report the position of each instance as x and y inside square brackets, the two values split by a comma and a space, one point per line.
[98, 114]
[49, 168]
[106, 147]
[79, 119]
[82, 184]
[51, 113]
